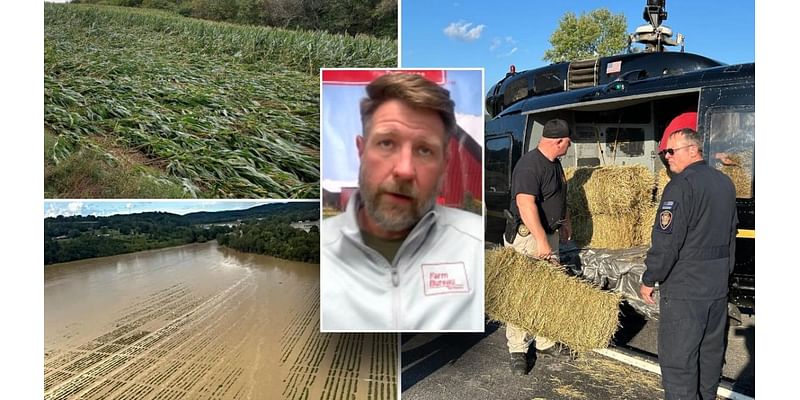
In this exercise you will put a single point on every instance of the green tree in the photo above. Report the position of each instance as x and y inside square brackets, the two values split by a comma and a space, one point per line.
[596, 34]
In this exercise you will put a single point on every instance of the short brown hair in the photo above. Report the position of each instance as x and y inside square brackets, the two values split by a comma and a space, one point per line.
[691, 136]
[413, 90]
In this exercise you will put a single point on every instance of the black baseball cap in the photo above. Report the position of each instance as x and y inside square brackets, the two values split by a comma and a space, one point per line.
[556, 129]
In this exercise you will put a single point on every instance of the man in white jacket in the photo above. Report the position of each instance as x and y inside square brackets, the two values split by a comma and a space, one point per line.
[394, 260]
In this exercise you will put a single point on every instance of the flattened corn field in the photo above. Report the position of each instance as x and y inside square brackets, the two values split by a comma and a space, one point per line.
[202, 322]
[212, 109]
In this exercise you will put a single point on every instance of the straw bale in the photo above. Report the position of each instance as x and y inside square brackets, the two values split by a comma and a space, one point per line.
[607, 231]
[542, 299]
[611, 190]
[646, 225]
[736, 169]
[661, 182]
[607, 205]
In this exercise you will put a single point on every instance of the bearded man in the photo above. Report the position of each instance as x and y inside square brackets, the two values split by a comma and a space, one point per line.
[395, 260]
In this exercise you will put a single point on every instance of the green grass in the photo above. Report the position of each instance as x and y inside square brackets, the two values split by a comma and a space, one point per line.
[92, 172]
[214, 109]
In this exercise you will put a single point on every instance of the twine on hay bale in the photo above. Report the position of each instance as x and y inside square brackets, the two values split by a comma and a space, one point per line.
[543, 300]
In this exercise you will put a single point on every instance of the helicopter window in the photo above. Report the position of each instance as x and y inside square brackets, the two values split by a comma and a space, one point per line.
[587, 148]
[498, 160]
[547, 82]
[635, 114]
[515, 90]
[731, 146]
[586, 134]
[627, 142]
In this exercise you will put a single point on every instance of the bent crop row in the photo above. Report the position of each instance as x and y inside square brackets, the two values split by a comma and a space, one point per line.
[226, 110]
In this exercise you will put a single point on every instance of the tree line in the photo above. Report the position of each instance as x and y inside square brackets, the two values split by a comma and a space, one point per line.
[265, 229]
[76, 238]
[274, 237]
[372, 17]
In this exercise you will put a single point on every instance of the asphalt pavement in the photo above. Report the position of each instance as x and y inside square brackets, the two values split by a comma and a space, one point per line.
[476, 366]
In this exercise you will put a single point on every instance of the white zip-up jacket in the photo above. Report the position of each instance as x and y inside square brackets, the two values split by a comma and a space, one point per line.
[434, 284]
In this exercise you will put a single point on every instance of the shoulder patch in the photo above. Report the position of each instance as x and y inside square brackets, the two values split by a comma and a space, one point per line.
[665, 216]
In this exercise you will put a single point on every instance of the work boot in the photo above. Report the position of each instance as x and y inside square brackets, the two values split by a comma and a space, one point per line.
[519, 363]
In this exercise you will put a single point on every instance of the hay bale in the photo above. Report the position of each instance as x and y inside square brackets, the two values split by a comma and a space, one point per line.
[607, 231]
[542, 299]
[613, 190]
[606, 205]
[649, 210]
[661, 182]
[735, 166]
[645, 228]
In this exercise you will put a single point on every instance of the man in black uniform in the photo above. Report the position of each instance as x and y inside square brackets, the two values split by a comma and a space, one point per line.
[538, 209]
[692, 255]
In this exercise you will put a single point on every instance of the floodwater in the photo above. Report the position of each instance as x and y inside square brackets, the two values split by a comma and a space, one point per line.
[202, 322]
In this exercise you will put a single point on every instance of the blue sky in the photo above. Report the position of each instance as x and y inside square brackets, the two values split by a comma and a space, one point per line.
[495, 34]
[111, 207]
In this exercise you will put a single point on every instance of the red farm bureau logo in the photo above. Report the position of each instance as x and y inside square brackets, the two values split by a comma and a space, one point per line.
[444, 278]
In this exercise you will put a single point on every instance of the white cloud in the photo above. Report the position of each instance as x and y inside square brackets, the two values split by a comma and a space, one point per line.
[51, 211]
[514, 50]
[75, 207]
[461, 31]
[504, 47]
[56, 208]
[473, 124]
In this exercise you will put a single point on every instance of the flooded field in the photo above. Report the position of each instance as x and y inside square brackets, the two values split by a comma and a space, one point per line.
[202, 322]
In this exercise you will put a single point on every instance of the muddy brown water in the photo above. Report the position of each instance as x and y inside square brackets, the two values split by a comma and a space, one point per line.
[202, 322]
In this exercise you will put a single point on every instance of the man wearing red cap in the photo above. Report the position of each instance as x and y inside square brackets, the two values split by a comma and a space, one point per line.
[691, 258]
[687, 120]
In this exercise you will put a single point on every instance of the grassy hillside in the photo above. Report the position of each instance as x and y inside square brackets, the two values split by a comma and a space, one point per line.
[185, 107]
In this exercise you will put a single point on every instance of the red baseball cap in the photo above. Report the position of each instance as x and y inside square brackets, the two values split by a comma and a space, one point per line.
[685, 120]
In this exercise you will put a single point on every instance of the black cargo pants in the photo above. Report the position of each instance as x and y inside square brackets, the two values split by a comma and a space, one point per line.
[691, 347]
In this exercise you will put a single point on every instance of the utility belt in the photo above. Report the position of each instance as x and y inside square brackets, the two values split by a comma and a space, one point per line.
[514, 228]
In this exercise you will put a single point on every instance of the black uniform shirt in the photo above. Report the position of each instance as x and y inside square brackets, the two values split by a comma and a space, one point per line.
[534, 174]
[694, 235]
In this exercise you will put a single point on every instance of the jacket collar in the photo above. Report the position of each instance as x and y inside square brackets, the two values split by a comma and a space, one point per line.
[412, 242]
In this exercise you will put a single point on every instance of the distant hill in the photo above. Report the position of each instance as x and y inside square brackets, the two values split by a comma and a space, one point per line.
[305, 211]
[79, 237]
[291, 210]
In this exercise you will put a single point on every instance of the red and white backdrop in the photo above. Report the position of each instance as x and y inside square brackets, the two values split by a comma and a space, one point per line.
[342, 90]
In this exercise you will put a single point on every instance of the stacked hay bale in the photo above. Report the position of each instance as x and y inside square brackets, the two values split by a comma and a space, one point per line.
[608, 205]
[542, 299]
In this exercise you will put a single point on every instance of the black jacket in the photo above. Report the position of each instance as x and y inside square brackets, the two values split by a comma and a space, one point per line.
[694, 235]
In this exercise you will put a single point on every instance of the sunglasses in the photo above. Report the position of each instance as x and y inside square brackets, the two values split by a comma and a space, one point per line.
[672, 151]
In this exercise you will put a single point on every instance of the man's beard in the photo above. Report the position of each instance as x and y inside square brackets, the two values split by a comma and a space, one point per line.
[395, 217]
